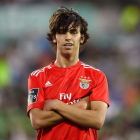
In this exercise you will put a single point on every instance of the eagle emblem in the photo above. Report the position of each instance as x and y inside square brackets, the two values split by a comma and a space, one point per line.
[84, 84]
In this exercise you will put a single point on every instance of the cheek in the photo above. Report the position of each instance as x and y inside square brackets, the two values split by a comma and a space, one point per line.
[77, 39]
[59, 39]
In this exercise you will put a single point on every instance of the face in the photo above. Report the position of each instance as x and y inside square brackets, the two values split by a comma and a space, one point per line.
[68, 42]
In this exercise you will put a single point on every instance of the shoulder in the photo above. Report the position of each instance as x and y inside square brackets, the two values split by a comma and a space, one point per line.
[40, 72]
[96, 73]
[90, 68]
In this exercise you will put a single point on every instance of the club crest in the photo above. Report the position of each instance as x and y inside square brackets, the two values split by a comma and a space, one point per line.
[84, 84]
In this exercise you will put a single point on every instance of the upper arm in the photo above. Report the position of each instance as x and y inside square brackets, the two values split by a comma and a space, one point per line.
[34, 112]
[34, 116]
[36, 97]
[100, 91]
[101, 108]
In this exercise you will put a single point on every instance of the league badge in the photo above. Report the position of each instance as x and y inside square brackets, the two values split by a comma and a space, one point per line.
[32, 95]
[84, 84]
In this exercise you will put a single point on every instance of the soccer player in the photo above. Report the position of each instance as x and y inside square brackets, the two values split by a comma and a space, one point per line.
[68, 99]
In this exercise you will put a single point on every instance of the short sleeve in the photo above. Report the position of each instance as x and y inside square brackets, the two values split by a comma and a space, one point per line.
[100, 91]
[35, 94]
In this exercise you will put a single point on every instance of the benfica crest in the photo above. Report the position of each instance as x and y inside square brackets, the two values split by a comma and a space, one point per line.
[84, 84]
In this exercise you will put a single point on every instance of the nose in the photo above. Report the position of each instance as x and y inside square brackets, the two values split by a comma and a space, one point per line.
[67, 36]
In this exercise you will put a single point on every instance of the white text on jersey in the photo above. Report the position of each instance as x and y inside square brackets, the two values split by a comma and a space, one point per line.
[65, 96]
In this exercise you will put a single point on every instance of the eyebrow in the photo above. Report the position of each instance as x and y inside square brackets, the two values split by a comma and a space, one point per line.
[71, 29]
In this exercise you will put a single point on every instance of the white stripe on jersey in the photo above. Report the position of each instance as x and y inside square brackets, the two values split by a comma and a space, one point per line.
[38, 71]
[88, 66]
[49, 67]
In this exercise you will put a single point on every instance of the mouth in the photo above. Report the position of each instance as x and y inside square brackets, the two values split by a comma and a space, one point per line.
[68, 45]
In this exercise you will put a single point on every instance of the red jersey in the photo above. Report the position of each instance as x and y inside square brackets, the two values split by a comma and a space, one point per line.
[68, 85]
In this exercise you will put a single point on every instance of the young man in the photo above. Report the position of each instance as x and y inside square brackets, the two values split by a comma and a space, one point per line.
[67, 99]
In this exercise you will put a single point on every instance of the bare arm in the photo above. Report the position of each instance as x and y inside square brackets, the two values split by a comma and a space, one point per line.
[42, 119]
[47, 118]
[93, 118]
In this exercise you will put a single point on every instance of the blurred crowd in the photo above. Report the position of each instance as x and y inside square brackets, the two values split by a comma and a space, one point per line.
[67, 1]
[114, 48]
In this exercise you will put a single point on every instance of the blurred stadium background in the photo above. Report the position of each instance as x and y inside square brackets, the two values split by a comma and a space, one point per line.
[114, 47]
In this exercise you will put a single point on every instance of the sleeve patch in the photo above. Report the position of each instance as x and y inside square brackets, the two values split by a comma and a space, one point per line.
[32, 95]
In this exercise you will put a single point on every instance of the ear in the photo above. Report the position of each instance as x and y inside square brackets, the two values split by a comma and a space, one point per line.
[54, 39]
[82, 38]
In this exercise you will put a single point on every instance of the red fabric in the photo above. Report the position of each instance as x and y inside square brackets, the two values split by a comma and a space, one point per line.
[68, 85]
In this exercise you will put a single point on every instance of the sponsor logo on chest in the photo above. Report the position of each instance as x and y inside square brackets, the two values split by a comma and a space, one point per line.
[84, 84]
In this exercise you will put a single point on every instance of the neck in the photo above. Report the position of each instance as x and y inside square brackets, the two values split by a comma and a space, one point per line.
[64, 62]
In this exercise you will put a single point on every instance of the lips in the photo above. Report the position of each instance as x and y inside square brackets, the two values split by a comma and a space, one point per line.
[68, 45]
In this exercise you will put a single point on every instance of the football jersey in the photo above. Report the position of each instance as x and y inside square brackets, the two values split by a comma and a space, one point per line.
[68, 85]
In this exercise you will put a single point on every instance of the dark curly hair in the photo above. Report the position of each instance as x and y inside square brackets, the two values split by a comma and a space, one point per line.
[63, 17]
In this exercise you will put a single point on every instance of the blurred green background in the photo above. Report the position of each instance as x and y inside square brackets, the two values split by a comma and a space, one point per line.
[114, 48]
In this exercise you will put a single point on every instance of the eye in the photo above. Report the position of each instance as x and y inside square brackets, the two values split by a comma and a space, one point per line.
[74, 31]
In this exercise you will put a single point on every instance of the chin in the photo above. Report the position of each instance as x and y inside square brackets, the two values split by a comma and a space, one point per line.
[67, 54]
